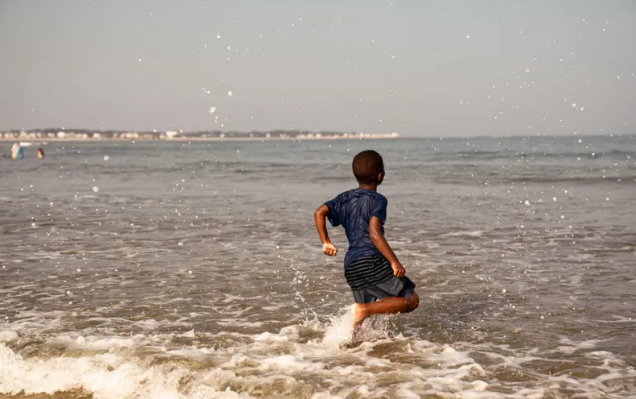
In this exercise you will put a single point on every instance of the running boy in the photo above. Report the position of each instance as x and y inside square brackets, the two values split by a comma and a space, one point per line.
[374, 273]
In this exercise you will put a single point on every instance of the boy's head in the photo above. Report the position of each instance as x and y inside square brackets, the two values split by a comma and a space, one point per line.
[368, 167]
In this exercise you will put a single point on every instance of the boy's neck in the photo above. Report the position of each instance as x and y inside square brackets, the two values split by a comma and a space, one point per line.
[373, 187]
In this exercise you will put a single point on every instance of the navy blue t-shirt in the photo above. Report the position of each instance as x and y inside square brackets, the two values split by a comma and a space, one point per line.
[353, 210]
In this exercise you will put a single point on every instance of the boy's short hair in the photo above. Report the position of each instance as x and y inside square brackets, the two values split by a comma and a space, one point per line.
[367, 165]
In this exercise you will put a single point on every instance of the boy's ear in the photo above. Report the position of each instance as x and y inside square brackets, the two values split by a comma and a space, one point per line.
[380, 177]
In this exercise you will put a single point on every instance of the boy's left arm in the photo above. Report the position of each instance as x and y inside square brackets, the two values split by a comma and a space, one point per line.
[379, 241]
[319, 217]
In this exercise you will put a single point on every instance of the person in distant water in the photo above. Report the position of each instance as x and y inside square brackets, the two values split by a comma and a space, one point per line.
[374, 273]
[40, 153]
[16, 151]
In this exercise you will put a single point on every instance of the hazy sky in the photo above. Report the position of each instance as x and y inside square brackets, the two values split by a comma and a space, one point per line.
[430, 68]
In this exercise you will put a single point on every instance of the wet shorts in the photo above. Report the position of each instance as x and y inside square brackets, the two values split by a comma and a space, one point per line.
[372, 279]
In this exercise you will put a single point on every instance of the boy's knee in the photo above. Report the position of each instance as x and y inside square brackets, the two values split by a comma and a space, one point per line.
[413, 302]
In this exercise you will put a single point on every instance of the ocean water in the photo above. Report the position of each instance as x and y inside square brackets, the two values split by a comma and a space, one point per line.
[193, 270]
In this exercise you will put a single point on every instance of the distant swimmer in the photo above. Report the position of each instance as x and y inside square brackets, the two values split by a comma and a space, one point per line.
[16, 151]
[374, 273]
[40, 153]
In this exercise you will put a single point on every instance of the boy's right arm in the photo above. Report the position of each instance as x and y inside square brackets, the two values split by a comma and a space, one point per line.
[319, 217]
[378, 240]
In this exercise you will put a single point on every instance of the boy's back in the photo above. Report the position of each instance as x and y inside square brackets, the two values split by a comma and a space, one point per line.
[353, 210]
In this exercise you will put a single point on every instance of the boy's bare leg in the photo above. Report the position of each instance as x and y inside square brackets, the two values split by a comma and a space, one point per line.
[394, 304]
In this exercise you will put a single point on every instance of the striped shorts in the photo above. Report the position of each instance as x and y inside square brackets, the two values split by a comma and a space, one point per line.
[372, 279]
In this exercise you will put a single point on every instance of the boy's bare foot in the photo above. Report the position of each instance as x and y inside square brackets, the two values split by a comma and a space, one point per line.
[359, 314]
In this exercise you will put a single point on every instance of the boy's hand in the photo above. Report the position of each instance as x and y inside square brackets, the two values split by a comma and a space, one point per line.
[398, 269]
[329, 249]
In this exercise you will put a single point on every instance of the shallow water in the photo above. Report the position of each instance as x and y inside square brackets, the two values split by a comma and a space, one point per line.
[177, 270]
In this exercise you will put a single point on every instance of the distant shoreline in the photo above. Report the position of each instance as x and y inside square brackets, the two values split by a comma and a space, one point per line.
[54, 134]
[182, 139]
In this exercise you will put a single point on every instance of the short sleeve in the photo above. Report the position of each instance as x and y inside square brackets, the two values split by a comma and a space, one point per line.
[378, 209]
[334, 207]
